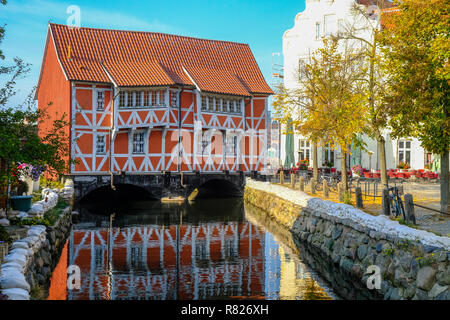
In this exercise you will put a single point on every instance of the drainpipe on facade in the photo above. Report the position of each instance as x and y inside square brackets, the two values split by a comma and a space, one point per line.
[111, 133]
[179, 127]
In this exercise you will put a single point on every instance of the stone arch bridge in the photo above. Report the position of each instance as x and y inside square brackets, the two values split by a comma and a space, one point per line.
[166, 185]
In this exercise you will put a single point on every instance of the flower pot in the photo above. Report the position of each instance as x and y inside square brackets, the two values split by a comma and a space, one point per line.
[21, 203]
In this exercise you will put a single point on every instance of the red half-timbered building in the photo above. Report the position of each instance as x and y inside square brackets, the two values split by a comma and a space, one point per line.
[143, 102]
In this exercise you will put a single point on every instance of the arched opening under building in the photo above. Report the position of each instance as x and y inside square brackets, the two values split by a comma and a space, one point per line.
[219, 188]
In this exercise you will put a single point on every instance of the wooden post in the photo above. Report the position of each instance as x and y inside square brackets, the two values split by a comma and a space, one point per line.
[281, 177]
[386, 203]
[292, 180]
[409, 207]
[358, 196]
[325, 189]
[312, 185]
[301, 182]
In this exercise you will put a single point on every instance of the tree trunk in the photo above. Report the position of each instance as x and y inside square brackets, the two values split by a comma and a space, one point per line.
[381, 145]
[315, 163]
[445, 182]
[344, 171]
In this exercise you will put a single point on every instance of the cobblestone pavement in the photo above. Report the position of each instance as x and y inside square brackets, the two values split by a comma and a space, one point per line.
[424, 193]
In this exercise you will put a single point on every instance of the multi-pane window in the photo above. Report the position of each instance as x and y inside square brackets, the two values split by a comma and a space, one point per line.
[138, 99]
[100, 100]
[231, 106]
[204, 103]
[147, 98]
[220, 104]
[173, 99]
[161, 102]
[122, 99]
[238, 106]
[211, 104]
[138, 142]
[130, 99]
[100, 145]
[231, 145]
[404, 151]
[304, 150]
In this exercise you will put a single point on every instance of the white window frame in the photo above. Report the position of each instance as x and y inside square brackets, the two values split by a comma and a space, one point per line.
[402, 148]
[100, 143]
[231, 145]
[134, 143]
[328, 152]
[97, 105]
[304, 147]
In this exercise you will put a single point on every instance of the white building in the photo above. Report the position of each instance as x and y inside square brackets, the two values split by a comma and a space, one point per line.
[319, 19]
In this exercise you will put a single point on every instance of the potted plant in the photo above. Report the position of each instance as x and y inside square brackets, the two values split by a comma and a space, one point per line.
[357, 171]
[403, 166]
[303, 164]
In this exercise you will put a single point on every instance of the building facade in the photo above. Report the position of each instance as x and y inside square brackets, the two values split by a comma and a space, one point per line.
[320, 19]
[142, 102]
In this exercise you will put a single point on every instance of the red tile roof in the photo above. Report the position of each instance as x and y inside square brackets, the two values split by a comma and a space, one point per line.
[219, 81]
[134, 58]
[137, 74]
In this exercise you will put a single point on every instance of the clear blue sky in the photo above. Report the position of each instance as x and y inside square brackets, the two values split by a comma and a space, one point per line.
[260, 23]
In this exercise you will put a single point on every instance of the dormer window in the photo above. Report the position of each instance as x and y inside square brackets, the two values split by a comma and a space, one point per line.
[145, 99]
[222, 104]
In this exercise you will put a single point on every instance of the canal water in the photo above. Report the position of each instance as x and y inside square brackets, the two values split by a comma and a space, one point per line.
[209, 249]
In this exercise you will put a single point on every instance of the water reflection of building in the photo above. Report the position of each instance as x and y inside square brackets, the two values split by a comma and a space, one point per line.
[296, 282]
[175, 262]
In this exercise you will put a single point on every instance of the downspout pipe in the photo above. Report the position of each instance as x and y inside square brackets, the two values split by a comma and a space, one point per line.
[111, 132]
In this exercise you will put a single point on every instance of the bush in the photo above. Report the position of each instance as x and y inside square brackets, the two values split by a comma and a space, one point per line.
[47, 220]
[50, 184]
[347, 197]
[4, 236]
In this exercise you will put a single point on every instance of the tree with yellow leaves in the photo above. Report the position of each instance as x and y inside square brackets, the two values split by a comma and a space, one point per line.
[328, 105]
[417, 51]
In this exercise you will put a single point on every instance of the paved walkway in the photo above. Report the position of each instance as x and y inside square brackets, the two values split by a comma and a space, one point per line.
[424, 193]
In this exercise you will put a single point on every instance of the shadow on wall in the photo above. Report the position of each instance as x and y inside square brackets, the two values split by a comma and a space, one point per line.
[218, 188]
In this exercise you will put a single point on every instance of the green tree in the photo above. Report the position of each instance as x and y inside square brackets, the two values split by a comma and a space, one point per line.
[416, 50]
[20, 141]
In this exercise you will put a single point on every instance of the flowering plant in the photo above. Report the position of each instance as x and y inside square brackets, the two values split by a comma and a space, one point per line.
[403, 165]
[357, 169]
[28, 170]
[303, 164]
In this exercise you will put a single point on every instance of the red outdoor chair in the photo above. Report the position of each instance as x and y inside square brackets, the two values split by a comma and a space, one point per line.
[400, 175]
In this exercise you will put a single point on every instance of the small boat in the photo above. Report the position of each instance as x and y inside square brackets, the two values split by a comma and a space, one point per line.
[173, 199]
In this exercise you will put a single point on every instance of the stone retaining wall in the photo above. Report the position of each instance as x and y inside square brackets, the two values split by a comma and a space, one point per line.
[414, 264]
[31, 260]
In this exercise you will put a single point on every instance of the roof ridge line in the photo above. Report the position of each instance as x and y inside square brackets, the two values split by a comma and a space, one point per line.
[162, 33]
